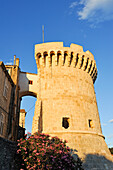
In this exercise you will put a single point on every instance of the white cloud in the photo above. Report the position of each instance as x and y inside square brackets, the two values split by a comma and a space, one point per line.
[109, 137]
[104, 124]
[73, 4]
[111, 121]
[95, 10]
[9, 63]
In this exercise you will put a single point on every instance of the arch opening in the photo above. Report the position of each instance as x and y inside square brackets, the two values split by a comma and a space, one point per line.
[65, 56]
[45, 54]
[27, 93]
[38, 58]
[71, 59]
[27, 109]
[58, 56]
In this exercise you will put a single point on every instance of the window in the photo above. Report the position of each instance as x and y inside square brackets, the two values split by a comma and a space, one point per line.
[5, 92]
[1, 123]
[30, 82]
[90, 123]
[65, 122]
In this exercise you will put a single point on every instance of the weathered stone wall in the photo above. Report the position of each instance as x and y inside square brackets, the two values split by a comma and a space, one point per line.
[14, 71]
[7, 154]
[6, 86]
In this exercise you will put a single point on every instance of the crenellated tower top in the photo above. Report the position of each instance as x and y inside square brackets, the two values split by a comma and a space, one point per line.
[55, 54]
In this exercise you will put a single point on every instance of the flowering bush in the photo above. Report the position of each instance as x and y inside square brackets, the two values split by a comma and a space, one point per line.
[42, 152]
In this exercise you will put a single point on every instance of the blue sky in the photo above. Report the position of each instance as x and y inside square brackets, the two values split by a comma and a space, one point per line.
[85, 22]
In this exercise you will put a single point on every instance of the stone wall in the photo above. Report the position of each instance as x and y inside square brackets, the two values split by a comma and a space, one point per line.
[6, 87]
[7, 154]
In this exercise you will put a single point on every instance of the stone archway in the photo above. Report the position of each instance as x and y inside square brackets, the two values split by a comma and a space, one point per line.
[27, 84]
[28, 87]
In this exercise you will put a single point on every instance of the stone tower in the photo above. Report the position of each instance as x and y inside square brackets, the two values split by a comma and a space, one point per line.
[66, 102]
[22, 118]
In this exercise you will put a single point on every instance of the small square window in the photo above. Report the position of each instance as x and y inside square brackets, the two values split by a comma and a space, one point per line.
[90, 123]
[65, 122]
[5, 92]
[30, 82]
[1, 123]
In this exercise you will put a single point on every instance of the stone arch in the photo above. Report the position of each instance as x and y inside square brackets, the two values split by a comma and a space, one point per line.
[45, 54]
[82, 61]
[71, 58]
[27, 84]
[27, 93]
[38, 55]
[86, 64]
[65, 56]
[59, 54]
[52, 54]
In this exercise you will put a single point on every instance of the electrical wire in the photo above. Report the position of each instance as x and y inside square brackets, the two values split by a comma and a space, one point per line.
[30, 108]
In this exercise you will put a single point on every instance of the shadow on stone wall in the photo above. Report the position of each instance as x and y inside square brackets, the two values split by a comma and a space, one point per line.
[95, 162]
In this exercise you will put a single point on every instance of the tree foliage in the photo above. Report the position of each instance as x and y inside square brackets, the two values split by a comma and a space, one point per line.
[42, 152]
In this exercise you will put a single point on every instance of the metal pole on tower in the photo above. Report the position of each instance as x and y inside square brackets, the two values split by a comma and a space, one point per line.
[43, 32]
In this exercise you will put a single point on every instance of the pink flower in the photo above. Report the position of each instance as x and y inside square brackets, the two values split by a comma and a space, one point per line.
[24, 148]
[30, 156]
[29, 133]
[18, 150]
[32, 143]
[25, 159]
[38, 160]
[28, 167]
[34, 166]
[34, 151]
[60, 151]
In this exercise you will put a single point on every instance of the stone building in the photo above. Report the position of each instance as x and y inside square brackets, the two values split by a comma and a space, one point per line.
[21, 128]
[7, 88]
[9, 100]
[14, 71]
[66, 103]
[22, 118]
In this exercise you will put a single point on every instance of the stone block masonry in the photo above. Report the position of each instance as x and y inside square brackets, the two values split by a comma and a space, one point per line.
[7, 154]
[66, 102]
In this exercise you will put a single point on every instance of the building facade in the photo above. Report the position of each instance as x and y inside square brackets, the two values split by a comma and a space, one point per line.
[22, 118]
[9, 100]
[7, 88]
[14, 72]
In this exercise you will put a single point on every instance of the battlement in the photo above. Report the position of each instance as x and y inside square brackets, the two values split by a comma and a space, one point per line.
[54, 54]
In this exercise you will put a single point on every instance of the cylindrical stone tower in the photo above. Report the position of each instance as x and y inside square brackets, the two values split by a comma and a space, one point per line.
[66, 103]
